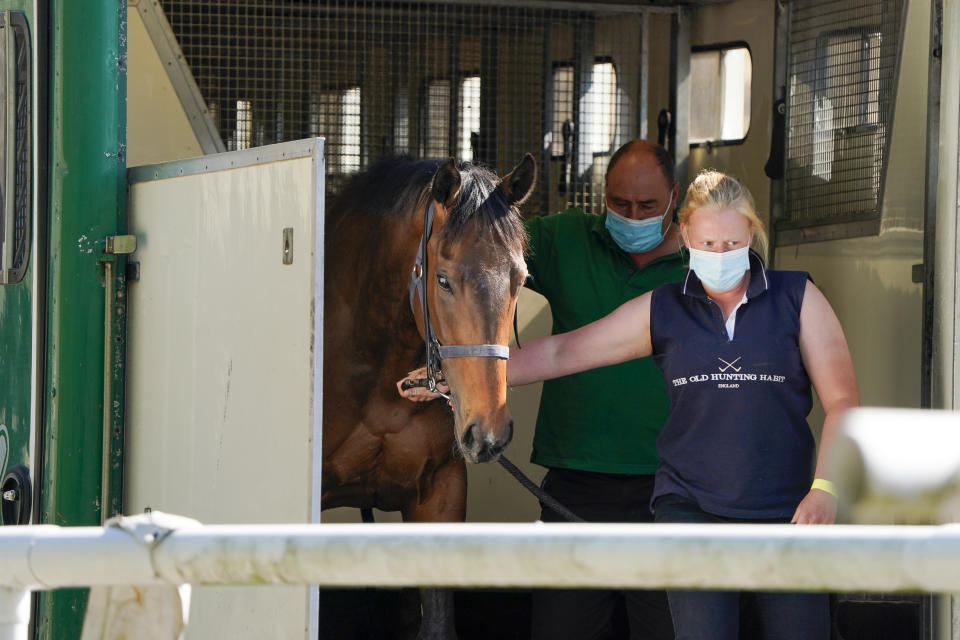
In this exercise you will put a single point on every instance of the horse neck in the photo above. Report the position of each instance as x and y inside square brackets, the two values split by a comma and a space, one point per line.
[376, 260]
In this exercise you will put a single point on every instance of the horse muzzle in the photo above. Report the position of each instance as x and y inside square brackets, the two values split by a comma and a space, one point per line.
[478, 444]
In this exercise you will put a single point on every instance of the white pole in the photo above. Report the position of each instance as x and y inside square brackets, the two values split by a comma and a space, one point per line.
[945, 358]
[898, 465]
[851, 558]
[814, 558]
[16, 578]
[14, 613]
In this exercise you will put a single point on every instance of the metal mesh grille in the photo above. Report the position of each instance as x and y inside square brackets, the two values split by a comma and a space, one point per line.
[483, 83]
[843, 58]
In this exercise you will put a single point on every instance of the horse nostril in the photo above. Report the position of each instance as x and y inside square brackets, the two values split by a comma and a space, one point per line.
[470, 436]
[507, 433]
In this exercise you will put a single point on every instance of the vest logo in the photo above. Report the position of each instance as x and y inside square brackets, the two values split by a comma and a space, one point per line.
[729, 365]
[730, 375]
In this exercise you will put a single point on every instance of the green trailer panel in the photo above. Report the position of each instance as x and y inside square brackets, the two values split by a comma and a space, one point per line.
[87, 121]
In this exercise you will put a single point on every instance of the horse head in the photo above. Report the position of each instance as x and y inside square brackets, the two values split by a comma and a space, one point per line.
[474, 271]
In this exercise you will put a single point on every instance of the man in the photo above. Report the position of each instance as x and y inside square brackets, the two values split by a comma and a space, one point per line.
[596, 431]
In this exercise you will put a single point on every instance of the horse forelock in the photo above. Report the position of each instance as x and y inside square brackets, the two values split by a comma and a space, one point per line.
[479, 200]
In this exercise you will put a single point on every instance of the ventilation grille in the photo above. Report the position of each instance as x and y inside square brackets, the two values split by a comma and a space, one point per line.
[15, 148]
[841, 92]
[480, 82]
[21, 171]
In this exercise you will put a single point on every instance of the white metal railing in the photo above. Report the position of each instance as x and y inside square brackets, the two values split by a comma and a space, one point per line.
[158, 549]
[817, 558]
[809, 558]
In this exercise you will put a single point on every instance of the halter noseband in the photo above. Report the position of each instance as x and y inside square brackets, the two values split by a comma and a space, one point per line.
[435, 351]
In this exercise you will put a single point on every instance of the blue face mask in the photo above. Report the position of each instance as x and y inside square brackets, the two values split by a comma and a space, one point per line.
[720, 271]
[636, 236]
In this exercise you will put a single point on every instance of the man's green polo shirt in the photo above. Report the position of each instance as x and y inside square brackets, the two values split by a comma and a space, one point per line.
[607, 419]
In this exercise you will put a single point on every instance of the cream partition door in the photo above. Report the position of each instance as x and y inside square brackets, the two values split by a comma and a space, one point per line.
[224, 360]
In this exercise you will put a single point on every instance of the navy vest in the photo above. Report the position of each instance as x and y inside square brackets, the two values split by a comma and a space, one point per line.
[737, 440]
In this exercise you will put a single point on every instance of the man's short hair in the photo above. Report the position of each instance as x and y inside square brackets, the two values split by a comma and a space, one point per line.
[661, 155]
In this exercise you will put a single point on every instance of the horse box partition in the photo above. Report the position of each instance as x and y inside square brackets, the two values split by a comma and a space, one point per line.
[224, 359]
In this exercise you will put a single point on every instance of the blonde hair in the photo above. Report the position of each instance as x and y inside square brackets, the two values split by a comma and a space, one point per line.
[716, 190]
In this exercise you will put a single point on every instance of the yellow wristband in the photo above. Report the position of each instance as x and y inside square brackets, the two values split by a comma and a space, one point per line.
[824, 485]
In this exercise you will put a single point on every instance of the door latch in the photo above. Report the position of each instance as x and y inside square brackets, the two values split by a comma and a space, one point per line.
[16, 496]
[120, 244]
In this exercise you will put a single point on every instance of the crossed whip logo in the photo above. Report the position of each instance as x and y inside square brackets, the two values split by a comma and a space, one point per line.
[729, 365]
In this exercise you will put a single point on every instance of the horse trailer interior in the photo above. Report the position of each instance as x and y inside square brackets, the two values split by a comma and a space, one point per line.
[152, 148]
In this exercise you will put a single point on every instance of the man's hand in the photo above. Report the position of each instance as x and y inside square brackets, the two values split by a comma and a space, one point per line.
[412, 387]
[818, 507]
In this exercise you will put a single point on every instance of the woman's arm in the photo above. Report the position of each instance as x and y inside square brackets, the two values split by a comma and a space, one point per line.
[827, 360]
[623, 334]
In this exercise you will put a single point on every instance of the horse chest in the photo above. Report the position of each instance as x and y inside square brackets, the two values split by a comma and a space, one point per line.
[389, 457]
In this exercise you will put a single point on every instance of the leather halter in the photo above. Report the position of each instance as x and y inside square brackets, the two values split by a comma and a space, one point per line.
[435, 351]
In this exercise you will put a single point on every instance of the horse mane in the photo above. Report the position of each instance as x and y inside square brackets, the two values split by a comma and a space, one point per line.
[393, 185]
[389, 187]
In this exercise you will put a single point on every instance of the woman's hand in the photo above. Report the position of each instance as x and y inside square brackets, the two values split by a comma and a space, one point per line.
[411, 387]
[818, 507]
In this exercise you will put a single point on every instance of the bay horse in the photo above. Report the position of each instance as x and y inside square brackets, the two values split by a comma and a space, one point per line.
[379, 449]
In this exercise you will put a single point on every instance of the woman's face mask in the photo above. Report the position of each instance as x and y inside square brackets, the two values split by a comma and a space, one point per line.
[720, 271]
[637, 236]
[709, 230]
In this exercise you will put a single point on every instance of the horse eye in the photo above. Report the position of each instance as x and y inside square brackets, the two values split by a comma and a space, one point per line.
[443, 282]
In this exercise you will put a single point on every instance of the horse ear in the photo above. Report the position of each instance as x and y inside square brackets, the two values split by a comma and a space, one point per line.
[446, 183]
[518, 184]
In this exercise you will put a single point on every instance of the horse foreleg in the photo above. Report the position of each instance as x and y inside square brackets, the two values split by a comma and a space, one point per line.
[446, 502]
[438, 621]
[444, 498]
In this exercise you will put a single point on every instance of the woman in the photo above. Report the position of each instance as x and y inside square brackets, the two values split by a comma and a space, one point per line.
[739, 346]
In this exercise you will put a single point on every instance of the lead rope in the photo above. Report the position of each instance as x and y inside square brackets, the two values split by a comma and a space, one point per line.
[528, 484]
[366, 513]
[547, 500]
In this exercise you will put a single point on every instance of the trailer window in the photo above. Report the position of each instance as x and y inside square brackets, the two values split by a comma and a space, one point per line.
[598, 107]
[436, 122]
[720, 79]
[244, 133]
[562, 108]
[468, 109]
[847, 103]
[597, 110]
[401, 121]
[437, 125]
[335, 115]
[350, 146]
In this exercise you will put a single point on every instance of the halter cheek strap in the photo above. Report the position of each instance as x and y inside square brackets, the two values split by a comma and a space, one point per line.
[435, 351]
